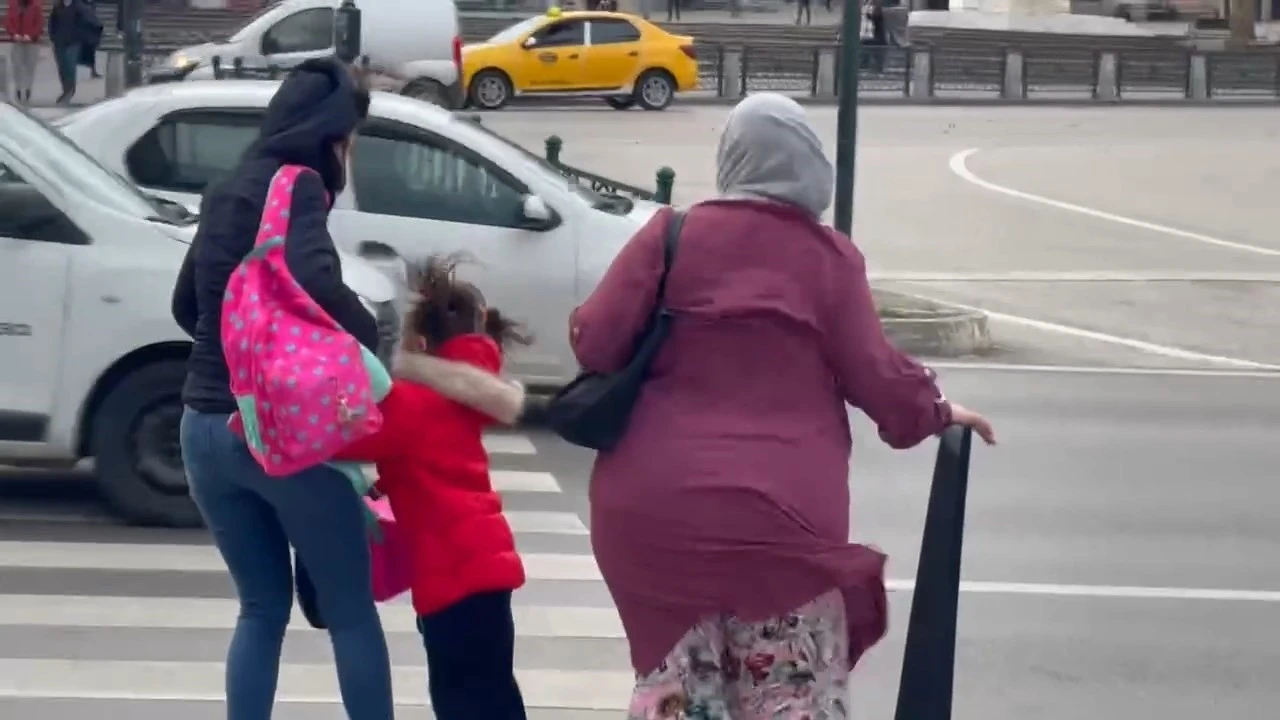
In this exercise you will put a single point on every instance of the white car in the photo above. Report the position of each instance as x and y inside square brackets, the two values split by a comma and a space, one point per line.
[423, 181]
[91, 360]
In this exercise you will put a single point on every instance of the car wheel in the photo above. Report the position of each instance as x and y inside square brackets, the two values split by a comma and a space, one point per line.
[620, 103]
[490, 89]
[655, 90]
[427, 90]
[136, 452]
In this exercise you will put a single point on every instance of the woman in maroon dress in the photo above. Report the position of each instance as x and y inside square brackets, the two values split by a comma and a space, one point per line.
[721, 521]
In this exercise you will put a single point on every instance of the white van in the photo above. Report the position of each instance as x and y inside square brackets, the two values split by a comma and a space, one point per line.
[91, 360]
[416, 42]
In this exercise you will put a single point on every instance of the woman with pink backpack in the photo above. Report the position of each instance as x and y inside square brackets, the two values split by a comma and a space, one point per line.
[256, 517]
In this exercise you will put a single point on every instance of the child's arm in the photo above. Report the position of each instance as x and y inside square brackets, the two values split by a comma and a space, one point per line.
[398, 417]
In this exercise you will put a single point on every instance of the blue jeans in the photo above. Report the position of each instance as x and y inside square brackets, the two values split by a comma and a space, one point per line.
[254, 518]
[67, 58]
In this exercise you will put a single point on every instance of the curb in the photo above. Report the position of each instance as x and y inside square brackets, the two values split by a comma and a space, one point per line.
[927, 328]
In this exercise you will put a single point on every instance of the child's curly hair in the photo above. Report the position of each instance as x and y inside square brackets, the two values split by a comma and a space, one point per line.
[446, 306]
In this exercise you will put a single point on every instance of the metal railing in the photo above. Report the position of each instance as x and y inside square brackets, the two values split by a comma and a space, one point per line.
[941, 72]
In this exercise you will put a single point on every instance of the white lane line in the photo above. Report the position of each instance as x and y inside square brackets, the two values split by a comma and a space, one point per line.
[1104, 591]
[524, 481]
[538, 566]
[301, 684]
[203, 558]
[1102, 370]
[1074, 276]
[508, 444]
[959, 167]
[538, 521]
[93, 611]
[1135, 344]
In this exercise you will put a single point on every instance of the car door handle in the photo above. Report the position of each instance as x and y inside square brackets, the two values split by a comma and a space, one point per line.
[634, 53]
[573, 56]
[375, 249]
[547, 57]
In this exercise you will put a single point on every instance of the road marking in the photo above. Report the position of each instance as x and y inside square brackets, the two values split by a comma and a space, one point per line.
[508, 444]
[1144, 346]
[524, 481]
[167, 613]
[1084, 276]
[1095, 370]
[302, 684]
[539, 521]
[1105, 591]
[538, 566]
[959, 167]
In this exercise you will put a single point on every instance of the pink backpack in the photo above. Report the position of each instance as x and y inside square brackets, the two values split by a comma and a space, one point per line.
[305, 387]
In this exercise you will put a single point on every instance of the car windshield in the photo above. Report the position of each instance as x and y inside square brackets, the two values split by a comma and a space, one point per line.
[513, 33]
[238, 36]
[45, 148]
[594, 198]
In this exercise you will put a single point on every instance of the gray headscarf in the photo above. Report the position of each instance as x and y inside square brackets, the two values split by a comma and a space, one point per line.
[769, 150]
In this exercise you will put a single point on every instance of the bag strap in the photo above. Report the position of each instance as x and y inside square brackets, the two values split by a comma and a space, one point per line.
[670, 240]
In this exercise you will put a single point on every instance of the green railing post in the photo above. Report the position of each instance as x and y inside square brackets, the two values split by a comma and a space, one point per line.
[554, 146]
[666, 181]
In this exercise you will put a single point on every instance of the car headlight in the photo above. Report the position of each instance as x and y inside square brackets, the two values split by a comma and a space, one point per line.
[178, 61]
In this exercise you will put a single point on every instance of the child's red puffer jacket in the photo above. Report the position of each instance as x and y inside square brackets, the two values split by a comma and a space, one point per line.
[433, 467]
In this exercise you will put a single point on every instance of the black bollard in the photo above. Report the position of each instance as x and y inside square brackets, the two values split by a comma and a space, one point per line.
[346, 32]
[929, 662]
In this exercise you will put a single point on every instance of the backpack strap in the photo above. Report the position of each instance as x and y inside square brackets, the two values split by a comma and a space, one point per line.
[273, 227]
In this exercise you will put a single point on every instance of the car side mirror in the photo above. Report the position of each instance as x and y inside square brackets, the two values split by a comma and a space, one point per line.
[535, 210]
[530, 42]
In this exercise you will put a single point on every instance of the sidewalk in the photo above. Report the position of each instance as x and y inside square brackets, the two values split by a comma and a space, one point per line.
[47, 89]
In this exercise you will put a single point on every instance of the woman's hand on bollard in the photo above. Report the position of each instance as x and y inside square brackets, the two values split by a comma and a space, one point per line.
[965, 417]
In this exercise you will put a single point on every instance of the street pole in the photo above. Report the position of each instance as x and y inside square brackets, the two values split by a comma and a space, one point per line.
[847, 115]
[346, 32]
[130, 27]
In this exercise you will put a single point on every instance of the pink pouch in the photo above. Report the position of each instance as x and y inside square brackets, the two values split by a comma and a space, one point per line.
[389, 553]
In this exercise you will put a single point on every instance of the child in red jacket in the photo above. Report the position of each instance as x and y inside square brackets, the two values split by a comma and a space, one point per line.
[433, 468]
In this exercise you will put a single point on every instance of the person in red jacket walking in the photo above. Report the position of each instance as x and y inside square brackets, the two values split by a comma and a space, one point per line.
[24, 22]
[433, 468]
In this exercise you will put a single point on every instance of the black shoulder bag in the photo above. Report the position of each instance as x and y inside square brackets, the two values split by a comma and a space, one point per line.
[593, 410]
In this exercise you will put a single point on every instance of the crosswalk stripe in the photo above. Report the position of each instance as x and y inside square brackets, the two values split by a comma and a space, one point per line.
[204, 558]
[538, 521]
[514, 481]
[203, 681]
[508, 444]
[97, 611]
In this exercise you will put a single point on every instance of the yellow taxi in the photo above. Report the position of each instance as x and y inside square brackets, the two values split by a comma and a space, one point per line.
[622, 58]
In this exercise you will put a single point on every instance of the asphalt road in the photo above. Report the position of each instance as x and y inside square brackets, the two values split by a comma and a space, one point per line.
[1120, 558]
[1115, 236]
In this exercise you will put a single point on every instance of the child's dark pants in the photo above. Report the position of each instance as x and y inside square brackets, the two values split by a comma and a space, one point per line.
[470, 656]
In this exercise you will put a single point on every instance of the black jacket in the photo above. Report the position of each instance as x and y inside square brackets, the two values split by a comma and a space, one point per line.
[313, 108]
[72, 24]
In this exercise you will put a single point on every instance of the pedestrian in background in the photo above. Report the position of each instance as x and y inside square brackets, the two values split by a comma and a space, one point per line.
[92, 39]
[24, 22]
[804, 9]
[720, 521]
[71, 24]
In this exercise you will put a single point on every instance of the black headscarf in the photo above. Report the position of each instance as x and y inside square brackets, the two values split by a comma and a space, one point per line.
[316, 106]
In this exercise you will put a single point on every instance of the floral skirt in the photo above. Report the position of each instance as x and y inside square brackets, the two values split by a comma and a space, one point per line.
[794, 667]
